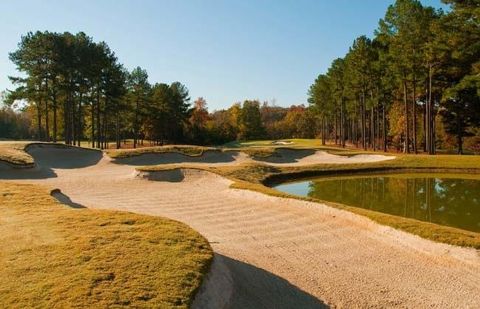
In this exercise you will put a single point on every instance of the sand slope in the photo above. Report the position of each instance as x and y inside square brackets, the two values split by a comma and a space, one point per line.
[279, 253]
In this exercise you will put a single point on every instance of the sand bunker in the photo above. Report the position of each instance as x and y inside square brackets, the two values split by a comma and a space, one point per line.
[177, 175]
[292, 157]
[63, 157]
[208, 156]
[285, 155]
[282, 143]
[281, 157]
[49, 158]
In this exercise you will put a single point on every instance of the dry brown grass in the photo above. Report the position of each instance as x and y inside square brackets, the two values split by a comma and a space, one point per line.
[183, 149]
[55, 256]
[14, 153]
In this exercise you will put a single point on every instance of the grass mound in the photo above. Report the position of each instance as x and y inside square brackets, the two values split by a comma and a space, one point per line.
[55, 256]
[14, 153]
[182, 149]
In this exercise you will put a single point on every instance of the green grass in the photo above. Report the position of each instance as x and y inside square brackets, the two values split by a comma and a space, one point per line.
[55, 256]
[291, 143]
[256, 177]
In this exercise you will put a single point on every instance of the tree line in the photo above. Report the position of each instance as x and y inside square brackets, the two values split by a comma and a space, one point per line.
[73, 89]
[251, 120]
[418, 78]
[77, 90]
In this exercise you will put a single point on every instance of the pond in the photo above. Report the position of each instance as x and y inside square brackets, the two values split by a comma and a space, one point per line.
[452, 200]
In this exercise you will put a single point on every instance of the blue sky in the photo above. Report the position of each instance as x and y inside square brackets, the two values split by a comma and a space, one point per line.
[225, 51]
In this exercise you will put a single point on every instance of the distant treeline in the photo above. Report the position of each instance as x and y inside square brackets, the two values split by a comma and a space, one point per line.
[414, 86]
[74, 89]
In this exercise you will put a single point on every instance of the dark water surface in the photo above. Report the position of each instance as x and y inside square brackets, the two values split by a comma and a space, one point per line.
[452, 200]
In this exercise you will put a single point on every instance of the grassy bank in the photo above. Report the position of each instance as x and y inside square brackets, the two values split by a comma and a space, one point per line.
[182, 149]
[257, 177]
[14, 153]
[55, 256]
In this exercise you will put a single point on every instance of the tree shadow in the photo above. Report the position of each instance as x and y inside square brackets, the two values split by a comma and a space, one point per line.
[254, 287]
[64, 199]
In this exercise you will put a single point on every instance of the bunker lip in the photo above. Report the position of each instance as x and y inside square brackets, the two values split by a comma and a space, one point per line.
[305, 157]
[176, 174]
[6, 165]
[207, 157]
[281, 156]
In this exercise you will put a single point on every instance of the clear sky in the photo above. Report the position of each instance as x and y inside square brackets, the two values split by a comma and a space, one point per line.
[225, 51]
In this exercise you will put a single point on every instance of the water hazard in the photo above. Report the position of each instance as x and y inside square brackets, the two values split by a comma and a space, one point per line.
[452, 200]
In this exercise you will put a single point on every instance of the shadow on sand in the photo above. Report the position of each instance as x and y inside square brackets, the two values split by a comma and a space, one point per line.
[47, 156]
[174, 157]
[64, 199]
[254, 287]
[50, 157]
[285, 155]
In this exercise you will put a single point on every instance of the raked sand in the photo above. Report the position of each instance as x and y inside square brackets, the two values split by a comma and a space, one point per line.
[274, 252]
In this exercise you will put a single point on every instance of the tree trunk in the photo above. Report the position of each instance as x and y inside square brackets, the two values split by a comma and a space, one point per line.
[336, 126]
[430, 119]
[372, 128]
[79, 121]
[460, 144]
[117, 129]
[54, 101]
[99, 130]
[47, 122]
[364, 129]
[414, 105]
[92, 110]
[39, 119]
[342, 123]
[135, 125]
[424, 111]
[73, 120]
[323, 130]
[105, 128]
[407, 127]
[434, 128]
[65, 120]
[384, 128]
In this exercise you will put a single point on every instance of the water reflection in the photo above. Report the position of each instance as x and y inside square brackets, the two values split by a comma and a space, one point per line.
[447, 201]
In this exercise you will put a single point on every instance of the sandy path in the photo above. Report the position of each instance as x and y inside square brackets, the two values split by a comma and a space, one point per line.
[284, 253]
